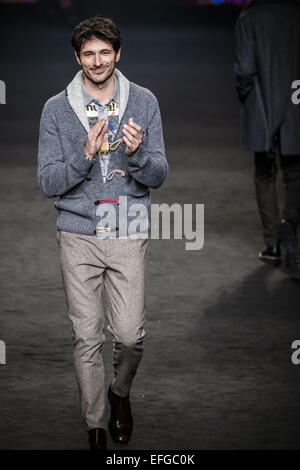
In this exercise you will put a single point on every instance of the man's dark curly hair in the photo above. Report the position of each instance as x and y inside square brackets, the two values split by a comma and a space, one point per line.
[96, 27]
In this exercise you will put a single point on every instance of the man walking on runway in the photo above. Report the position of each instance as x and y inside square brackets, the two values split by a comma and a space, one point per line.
[267, 64]
[101, 143]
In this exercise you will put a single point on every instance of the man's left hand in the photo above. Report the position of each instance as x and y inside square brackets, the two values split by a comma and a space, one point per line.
[133, 135]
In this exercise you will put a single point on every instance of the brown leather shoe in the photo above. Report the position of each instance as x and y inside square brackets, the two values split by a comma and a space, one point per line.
[121, 421]
[97, 439]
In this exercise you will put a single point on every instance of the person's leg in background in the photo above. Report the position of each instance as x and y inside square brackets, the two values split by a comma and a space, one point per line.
[267, 201]
[291, 212]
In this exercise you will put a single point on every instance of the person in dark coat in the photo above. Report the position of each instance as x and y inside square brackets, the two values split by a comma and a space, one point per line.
[267, 67]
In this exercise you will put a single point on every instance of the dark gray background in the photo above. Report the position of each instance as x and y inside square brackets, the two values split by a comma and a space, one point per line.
[217, 371]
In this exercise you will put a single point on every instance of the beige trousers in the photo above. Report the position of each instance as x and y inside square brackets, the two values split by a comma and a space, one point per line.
[88, 265]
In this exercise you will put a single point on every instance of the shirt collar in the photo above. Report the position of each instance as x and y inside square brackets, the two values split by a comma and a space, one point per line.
[87, 98]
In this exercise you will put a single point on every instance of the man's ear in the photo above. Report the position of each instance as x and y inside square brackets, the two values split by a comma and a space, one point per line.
[118, 55]
[77, 58]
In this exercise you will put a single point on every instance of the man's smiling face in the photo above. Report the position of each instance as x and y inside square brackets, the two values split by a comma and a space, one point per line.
[97, 59]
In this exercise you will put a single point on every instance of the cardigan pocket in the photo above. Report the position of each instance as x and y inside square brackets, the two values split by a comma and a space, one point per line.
[135, 188]
[76, 204]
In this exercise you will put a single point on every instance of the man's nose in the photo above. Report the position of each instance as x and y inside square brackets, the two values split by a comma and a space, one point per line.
[98, 60]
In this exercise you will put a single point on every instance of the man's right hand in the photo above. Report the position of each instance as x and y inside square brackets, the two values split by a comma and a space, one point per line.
[95, 137]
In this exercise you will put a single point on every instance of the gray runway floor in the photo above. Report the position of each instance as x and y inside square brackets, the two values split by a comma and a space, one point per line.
[217, 370]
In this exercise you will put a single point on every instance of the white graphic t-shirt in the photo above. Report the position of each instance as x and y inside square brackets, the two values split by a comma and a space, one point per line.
[96, 111]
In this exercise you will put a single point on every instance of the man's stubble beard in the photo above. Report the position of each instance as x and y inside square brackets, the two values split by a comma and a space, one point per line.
[101, 82]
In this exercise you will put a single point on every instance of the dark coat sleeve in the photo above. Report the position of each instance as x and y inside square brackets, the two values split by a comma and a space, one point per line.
[245, 63]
